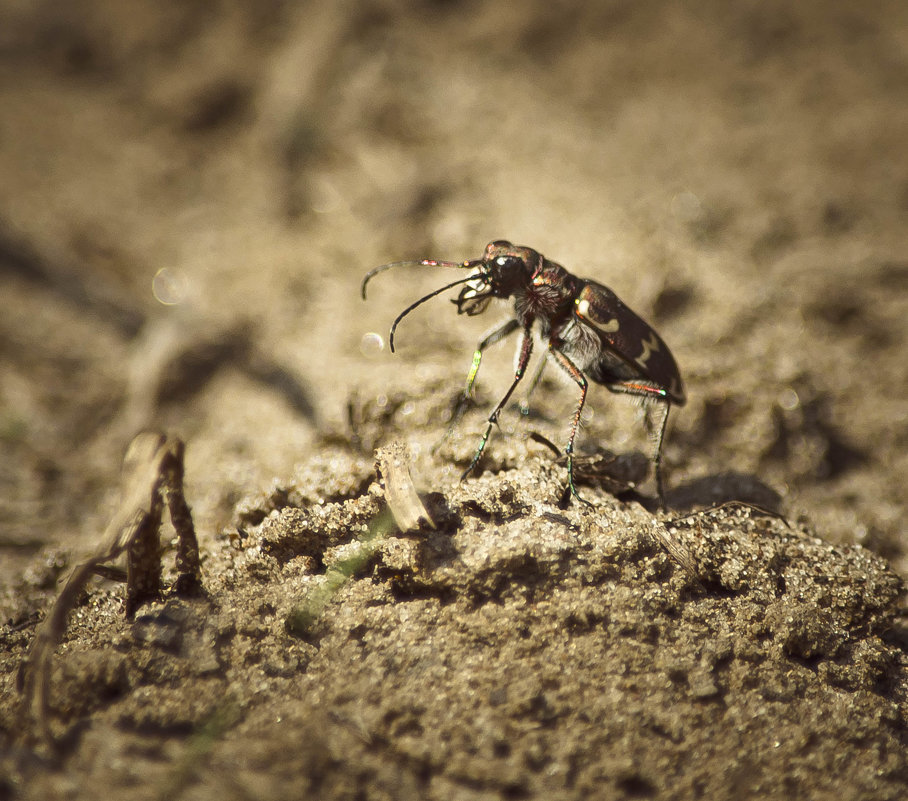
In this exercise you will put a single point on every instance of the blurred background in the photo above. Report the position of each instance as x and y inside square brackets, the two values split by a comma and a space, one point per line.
[191, 191]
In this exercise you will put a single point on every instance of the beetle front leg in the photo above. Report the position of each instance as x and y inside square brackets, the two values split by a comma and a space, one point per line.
[526, 350]
[574, 372]
[496, 335]
[490, 339]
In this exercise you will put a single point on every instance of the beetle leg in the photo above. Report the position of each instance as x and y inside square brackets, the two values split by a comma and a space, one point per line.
[495, 335]
[657, 455]
[537, 377]
[526, 349]
[655, 422]
[656, 429]
[574, 372]
[490, 339]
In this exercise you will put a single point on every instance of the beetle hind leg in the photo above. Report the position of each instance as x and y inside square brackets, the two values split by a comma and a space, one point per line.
[656, 408]
[656, 422]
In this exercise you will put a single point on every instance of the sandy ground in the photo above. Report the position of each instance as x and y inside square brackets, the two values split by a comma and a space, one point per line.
[190, 194]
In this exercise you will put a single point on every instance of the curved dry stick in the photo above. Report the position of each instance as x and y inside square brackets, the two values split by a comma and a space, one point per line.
[152, 468]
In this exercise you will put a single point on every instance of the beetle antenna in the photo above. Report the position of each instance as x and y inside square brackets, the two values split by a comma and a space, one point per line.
[422, 300]
[462, 265]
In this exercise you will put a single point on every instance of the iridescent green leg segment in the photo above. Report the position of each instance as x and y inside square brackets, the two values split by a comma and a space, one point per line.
[490, 339]
[495, 336]
[526, 349]
[474, 369]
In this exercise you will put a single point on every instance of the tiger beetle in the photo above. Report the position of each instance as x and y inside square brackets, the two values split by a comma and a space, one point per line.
[590, 333]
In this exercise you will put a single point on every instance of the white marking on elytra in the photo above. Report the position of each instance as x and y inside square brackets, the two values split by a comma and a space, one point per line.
[650, 346]
[583, 310]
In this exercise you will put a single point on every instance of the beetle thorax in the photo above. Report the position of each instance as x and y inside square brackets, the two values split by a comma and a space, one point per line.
[542, 302]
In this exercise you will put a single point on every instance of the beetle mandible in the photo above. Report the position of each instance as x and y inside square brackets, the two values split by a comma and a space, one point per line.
[589, 331]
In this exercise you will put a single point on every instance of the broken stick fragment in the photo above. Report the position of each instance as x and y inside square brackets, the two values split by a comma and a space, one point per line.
[400, 491]
[152, 475]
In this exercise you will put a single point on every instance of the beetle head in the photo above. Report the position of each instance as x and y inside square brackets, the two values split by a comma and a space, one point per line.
[502, 272]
